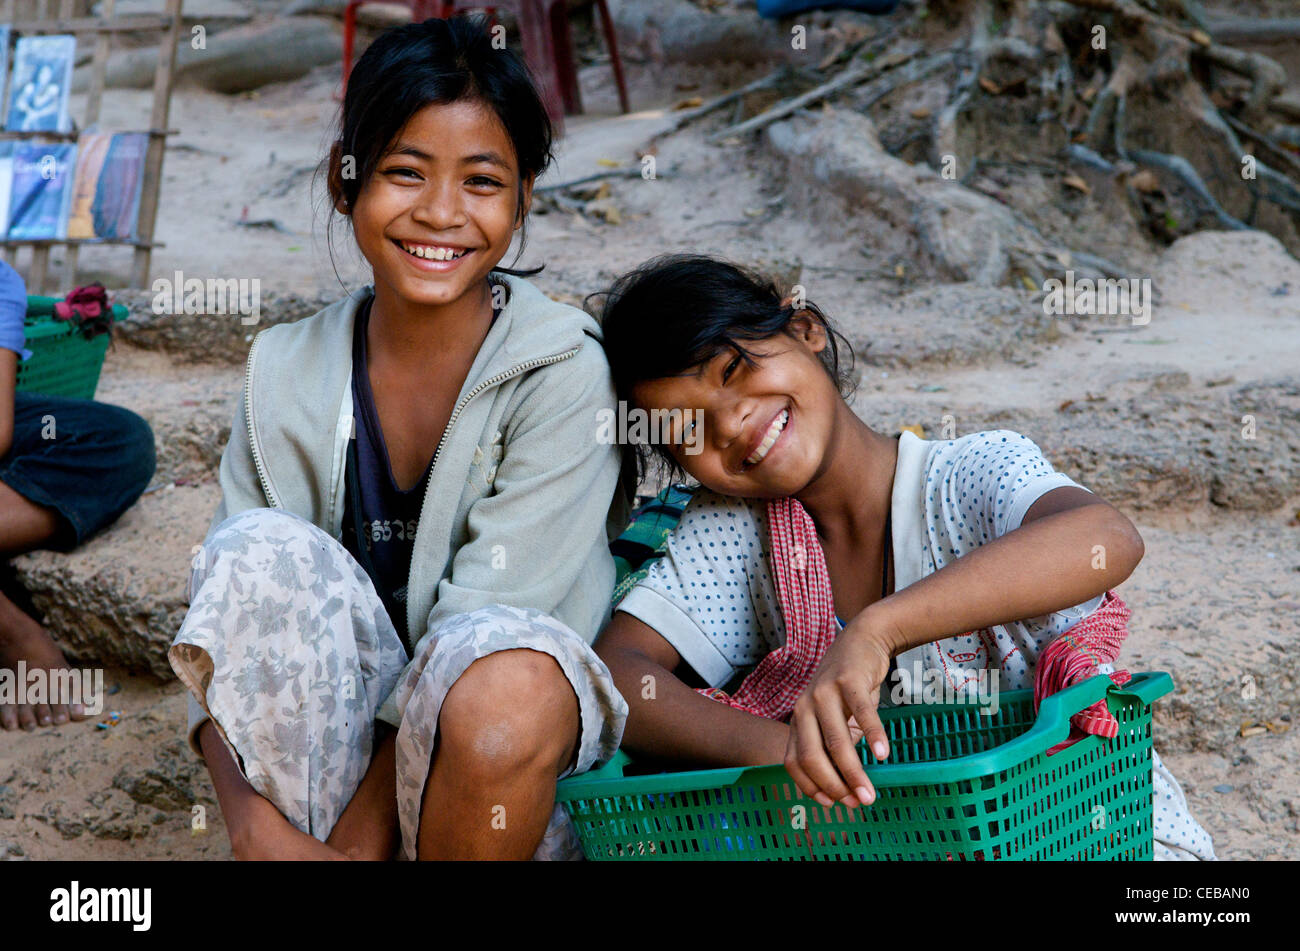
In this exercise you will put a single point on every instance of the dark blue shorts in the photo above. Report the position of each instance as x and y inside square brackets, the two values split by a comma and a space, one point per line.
[98, 461]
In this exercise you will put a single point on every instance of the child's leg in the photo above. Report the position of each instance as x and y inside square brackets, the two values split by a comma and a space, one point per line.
[22, 639]
[86, 461]
[497, 704]
[24, 525]
[491, 791]
[72, 465]
[288, 649]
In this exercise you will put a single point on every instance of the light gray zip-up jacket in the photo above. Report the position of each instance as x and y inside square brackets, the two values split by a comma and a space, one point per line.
[521, 503]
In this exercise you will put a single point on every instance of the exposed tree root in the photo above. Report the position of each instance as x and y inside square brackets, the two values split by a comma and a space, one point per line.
[901, 70]
[1145, 93]
[1164, 52]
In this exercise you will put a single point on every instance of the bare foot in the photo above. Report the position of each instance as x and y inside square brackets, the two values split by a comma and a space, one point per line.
[23, 640]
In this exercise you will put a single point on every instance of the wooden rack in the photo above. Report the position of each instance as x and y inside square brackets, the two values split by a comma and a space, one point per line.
[29, 17]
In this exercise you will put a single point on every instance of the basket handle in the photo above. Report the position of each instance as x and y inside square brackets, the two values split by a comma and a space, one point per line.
[1054, 713]
[613, 769]
[595, 782]
[1146, 687]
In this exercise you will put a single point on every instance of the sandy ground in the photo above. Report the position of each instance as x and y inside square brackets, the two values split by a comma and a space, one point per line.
[1216, 599]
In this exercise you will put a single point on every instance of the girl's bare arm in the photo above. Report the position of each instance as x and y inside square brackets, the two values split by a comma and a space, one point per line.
[1070, 547]
[666, 718]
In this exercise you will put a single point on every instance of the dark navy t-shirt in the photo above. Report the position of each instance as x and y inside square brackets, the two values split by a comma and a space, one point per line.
[388, 515]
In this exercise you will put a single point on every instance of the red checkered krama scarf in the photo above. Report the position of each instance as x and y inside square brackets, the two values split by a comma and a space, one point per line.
[808, 607]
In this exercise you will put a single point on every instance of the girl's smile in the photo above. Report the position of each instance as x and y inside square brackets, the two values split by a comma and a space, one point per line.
[768, 439]
[432, 257]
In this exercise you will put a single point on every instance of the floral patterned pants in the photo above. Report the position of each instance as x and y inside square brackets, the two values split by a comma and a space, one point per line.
[288, 649]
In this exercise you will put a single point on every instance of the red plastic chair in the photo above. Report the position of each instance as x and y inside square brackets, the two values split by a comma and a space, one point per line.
[544, 34]
[421, 10]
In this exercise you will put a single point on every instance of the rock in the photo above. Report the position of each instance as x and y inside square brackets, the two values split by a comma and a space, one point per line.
[951, 232]
[1200, 263]
[378, 15]
[383, 16]
[234, 60]
[212, 15]
[120, 598]
[785, 273]
[53, 814]
[11, 852]
[976, 322]
[165, 789]
[316, 8]
[189, 441]
[189, 408]
[208, 338]
[116, 828]
[1181, 450]
[675, 31]
[1128, 462]
[1154, 451]
[168, 785]
[1257, 465]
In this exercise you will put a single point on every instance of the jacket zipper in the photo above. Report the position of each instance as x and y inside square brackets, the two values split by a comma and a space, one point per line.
[248, 414]
[492, 381]
[479, 388]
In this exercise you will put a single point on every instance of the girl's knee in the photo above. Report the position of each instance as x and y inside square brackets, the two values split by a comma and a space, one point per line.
[259, 524]
[276, 530]
[510, 710]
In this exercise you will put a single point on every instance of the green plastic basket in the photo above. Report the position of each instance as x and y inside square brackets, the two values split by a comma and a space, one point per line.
[959, 785]
[63, 362]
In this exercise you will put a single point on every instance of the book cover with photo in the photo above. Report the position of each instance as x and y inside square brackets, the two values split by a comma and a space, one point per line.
[40, 192]
[41, 83]
[107, 185]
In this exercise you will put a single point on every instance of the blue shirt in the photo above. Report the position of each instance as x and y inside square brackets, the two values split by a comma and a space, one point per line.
[13, 308]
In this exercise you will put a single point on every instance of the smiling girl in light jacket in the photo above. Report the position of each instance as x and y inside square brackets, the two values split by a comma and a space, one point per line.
[388, 638]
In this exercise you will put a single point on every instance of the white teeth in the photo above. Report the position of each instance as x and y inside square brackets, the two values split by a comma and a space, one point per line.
[432, 252]
[773, 432]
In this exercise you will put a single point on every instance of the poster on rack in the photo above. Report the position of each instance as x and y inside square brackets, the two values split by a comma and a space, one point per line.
[40, 191]
[41, 83]
[108, 184]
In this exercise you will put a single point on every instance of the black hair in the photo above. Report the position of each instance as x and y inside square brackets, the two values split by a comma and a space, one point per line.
[678, 311]
[437, 62]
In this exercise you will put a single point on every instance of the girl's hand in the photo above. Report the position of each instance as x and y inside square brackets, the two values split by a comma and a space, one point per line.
[837, 709]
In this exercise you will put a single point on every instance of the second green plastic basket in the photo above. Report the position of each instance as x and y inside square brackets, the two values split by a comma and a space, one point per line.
[959, 785]
[63, 362]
